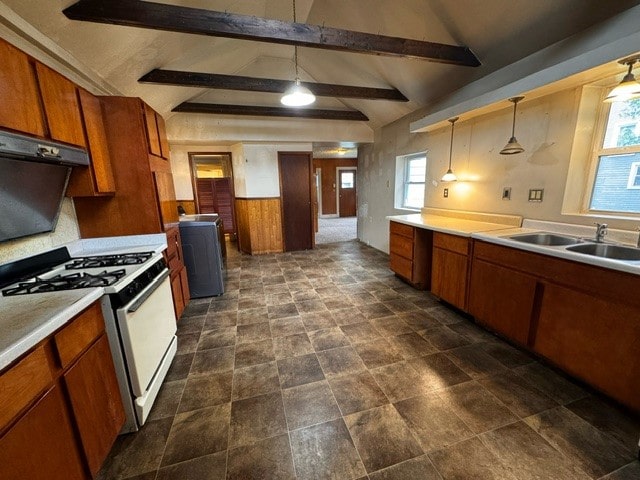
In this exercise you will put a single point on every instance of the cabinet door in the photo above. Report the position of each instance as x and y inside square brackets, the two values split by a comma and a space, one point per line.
[61, 106]
[449, 277]
[97, 178]
[592, 338]
[153, 138]
[20, 108]
[95, 399]
[223, 190]
[162, 136]
[176, 290]
[166, 195]
[502, 299]
[184, 285]
[41, 445]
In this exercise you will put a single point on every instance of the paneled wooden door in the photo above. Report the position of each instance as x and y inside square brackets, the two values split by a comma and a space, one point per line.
[346, 193]
[215, 195]
[296, 182]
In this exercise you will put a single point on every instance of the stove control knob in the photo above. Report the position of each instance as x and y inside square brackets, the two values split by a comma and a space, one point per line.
[130, 290]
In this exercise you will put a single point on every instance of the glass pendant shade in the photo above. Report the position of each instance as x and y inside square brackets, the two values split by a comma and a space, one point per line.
[297, 96]
[450, 176]
[628, 88]
[512, 147]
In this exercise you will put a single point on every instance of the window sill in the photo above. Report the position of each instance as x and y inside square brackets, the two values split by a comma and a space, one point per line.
[409, 210]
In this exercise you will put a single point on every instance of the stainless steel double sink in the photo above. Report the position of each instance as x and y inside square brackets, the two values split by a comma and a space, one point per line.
[579, 245]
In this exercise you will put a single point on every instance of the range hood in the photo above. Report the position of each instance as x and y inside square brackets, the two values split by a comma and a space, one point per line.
[33, 178]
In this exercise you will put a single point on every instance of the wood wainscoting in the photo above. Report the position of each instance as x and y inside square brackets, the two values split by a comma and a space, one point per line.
[189, 206]
[259, 225]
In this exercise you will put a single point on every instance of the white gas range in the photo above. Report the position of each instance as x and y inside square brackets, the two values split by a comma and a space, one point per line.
[137, 306]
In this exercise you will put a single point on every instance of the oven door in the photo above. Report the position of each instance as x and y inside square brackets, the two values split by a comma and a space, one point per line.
[147, 326]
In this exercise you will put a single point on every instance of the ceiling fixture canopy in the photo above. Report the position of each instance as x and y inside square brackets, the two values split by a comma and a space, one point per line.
[629, 87]
[450, 176]
[297, 95]
[512, 147]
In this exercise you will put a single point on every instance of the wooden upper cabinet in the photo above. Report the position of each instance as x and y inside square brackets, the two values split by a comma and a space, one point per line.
[20, 107]
[61, 106]
[162, 134]
[166, 197]
[96, 179]
[153, 137]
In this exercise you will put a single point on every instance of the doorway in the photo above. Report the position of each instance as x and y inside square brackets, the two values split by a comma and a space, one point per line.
[346, 191]
[212, 181]
[296, 190]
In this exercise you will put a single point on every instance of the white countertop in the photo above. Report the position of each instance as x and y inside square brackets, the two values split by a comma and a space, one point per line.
[25, 320]
[454, 226]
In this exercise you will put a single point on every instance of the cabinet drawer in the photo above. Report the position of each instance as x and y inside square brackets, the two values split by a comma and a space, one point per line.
[401, 229]
[402, 246]
[452, 243]
[22, 383]
[401, 266]
[79, 334]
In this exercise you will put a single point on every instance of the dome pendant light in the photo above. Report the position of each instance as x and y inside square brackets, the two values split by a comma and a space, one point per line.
[512, 147]
[297, 95]
[450, 176]
[628, 88]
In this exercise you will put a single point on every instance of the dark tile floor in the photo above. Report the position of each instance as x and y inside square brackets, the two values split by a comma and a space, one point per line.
[322, 364]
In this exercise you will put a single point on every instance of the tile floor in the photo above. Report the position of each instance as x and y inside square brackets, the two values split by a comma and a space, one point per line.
[322, 364]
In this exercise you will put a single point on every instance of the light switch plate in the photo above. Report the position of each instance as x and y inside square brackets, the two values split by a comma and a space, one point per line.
[506, 193]
[536, 194]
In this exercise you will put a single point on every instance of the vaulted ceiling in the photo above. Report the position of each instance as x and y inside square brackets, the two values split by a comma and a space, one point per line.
[499, 32]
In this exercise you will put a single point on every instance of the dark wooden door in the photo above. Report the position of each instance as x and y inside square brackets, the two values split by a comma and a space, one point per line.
[347, 193]
[215, 195]
[297, 207]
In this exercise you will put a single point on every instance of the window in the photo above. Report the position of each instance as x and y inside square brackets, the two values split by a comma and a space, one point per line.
[346, 179]
[410, 178]
[617, 176]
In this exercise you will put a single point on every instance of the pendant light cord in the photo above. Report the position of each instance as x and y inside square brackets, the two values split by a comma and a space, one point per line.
[453, 123]
[295, 47]
[513, 124]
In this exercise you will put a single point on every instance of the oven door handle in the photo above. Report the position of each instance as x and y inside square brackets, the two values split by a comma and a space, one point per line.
[152, 288]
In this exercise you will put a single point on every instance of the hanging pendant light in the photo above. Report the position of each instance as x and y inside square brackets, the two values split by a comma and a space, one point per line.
[450, 176]
[512, 147]
[628, 88]
[297, 95]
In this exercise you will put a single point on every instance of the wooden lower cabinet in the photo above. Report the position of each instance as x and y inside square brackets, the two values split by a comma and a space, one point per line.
[41, 445]
[502, 299]
[449, 268]
[593, 339]
[96, 403]
[61, 405]
[584, 319]
[410, 254]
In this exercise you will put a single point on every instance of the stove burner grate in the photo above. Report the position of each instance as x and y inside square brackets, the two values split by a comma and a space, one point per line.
[65, 282]
[109, 260]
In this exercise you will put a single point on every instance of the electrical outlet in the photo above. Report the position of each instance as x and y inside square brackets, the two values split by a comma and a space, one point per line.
[536, 194]
[446, 193]
[506, 193]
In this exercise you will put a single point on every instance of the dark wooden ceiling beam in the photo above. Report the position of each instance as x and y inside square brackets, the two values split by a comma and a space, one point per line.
[259, 111]
[176, 18]
[251, 84]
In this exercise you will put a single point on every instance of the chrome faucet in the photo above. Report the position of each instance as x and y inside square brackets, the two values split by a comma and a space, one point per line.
[601, 231]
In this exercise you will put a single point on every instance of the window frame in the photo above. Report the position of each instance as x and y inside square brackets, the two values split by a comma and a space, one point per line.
[634, 173]
[598, 151]
[406, 162]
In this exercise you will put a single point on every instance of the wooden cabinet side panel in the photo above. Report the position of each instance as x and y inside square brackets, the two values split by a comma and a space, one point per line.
[184, 285]
[176, 292]
[593, 339]
[259, 225]
[166, 196]
[20, 109]
[95, 399]
[162, 136]
[502, 299]
[449, 277]
[61, 106]
[41, 445]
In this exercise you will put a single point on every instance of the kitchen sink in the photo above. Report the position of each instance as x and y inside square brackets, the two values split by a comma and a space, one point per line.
[549, 239]
[617, 252]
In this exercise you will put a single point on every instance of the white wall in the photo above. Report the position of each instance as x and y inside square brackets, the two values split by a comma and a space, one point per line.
[255, 167]
[546, 127]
